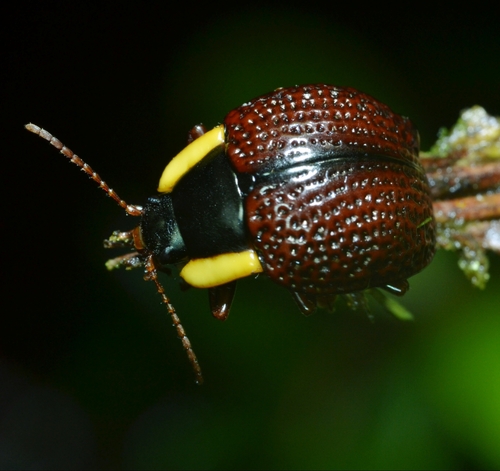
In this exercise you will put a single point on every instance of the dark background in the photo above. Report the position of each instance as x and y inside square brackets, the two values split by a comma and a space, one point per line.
[91, 372]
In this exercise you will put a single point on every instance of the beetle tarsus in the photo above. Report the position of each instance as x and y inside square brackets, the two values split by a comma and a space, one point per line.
[128, 261]
[306, 304]
[119, 239]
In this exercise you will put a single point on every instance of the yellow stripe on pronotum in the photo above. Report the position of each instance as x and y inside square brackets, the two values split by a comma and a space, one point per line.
[187, 158]
[221, 269]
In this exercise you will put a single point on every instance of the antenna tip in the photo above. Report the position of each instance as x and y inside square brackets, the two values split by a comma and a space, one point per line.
[33, 128]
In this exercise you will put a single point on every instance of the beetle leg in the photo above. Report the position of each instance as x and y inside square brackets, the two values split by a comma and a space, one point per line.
[119, 239]
[127, 261]
[399, 288]
[221, 298]
[307, 304]
[196, 132]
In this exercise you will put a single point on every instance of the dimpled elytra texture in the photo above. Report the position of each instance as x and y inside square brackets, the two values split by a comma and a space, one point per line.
[345, 228]
[297, 124]
[341, 202]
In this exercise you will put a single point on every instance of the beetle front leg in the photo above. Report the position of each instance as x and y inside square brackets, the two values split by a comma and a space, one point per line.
[127, 239]
[127, 261]
[120, 239]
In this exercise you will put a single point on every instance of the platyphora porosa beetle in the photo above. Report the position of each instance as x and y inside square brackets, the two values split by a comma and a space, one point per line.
[318, 187]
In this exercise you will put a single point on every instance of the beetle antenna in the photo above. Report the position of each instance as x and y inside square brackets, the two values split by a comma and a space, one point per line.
[151, 274]
[131, 209]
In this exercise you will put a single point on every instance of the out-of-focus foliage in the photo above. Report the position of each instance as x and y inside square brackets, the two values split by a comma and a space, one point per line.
[476, 135]
[463, 170]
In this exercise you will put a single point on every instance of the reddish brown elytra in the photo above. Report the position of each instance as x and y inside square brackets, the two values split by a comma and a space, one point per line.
[318, 187]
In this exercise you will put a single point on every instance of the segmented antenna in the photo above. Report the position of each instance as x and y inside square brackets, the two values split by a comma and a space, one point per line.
[152, 275]
[129, 208]
[120, 239]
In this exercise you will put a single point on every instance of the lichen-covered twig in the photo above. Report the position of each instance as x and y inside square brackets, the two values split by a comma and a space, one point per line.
[463, 169]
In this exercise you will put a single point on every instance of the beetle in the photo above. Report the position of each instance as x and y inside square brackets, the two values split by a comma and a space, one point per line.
[319, 187]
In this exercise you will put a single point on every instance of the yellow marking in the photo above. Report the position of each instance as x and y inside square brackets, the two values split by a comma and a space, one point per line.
[215, 271]
[188, 157]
